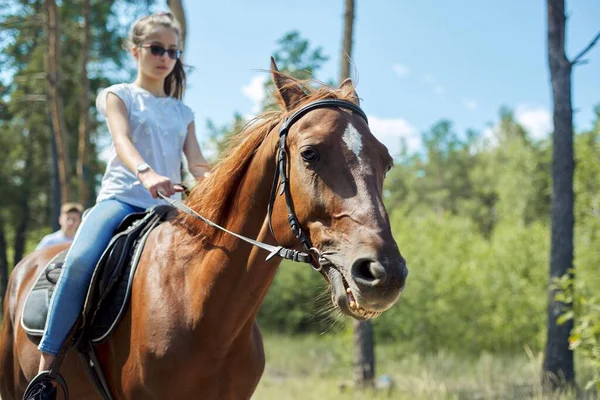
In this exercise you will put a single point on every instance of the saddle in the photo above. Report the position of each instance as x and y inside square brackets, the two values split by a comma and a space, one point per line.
[108, 293]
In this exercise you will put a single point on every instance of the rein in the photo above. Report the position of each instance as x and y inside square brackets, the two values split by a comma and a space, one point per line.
[280, 251]
[311, 255]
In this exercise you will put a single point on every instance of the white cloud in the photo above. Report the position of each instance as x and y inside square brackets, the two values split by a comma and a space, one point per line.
[401, 70]
[433, 84]
[536, 120]
[470, 104]
[255, 91]
[390, 131]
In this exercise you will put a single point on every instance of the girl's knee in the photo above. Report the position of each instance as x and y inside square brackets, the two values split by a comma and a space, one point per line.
[79, 268]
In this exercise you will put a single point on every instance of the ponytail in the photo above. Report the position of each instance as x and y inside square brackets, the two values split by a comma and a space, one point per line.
[175, 81]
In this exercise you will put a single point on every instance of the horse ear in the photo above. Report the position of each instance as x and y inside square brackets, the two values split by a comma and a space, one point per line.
[289, 94]
[347, 90]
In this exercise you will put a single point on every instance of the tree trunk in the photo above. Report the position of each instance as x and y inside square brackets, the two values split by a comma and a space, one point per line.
[364, 354]
[347, 40]
[23, 206]
[3, 263]
[364, 344]
[20, 233]
[82, 148]
[558, 368]
[176, 7]
[54, 98]
[55, 200]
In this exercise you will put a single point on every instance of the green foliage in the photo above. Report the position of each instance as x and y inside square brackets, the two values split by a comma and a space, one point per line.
[294, 57]
[295, 302]
[580, 289]
[585, 311]
[466, 293]
[220, 135]
[521, 169]
[25, 166]
[488, 180]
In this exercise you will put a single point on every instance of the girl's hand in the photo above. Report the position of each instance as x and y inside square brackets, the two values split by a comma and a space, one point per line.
[156, 183]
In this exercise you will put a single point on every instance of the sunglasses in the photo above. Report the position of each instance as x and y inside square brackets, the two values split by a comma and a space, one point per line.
[160, 51]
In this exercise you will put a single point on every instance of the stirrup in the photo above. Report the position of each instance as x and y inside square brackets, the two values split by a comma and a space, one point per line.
[41, 387]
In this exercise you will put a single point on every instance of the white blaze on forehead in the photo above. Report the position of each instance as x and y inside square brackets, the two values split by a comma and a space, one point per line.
[362, 205]
[353, 139]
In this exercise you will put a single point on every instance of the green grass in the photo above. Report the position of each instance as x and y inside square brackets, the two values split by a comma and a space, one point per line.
[312, 367]
[320, 367]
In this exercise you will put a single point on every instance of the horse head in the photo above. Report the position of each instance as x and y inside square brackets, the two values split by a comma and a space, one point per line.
[334, 169]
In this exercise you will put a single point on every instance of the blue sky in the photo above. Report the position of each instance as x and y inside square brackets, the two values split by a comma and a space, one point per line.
[416, 61]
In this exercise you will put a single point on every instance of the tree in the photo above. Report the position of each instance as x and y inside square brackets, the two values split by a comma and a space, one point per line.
[3, 262]
[220, 135]
[28, 118]
[84, 92]
[7, 186]
[364, 345]
[176, 7]
[346, 55]
[295, 57]
[53, 71]
[558, 369]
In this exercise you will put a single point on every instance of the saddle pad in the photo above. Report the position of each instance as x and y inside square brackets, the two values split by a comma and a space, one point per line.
[103, 310]
[110, 287]
[36, 305]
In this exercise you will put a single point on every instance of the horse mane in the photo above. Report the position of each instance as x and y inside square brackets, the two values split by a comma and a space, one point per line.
[213, 196]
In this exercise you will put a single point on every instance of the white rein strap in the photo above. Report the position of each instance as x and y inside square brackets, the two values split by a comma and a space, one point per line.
[280, 251]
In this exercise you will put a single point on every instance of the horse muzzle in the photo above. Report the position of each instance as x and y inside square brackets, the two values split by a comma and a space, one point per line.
[368, 287]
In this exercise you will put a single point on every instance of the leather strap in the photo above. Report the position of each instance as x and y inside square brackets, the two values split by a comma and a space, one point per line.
[280, 251]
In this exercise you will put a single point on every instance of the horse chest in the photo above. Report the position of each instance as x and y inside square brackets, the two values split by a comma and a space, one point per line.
[178, 375]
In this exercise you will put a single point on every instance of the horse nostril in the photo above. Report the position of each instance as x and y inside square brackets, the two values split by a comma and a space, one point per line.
[368, 270]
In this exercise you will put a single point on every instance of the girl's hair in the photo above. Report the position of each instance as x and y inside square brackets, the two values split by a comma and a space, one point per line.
[175, 81]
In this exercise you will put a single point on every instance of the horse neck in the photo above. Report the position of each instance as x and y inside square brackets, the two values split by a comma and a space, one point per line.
[235, 272]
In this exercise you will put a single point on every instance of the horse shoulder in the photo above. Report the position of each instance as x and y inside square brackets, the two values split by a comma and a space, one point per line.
[158, 295]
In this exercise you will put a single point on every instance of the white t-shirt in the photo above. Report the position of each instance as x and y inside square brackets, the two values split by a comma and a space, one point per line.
[158, 131]
[52, 239]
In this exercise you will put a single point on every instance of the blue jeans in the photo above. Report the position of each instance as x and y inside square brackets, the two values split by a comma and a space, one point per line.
[89, 243]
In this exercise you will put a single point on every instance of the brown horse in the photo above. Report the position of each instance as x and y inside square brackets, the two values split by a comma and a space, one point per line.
[190, 331]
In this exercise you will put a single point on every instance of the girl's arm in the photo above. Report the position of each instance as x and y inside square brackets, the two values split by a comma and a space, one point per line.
[120, 131]
[197, 164]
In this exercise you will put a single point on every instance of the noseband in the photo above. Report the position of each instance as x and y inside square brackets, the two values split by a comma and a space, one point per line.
[281, 179]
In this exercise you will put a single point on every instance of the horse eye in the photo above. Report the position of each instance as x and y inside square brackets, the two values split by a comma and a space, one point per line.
[310, 155]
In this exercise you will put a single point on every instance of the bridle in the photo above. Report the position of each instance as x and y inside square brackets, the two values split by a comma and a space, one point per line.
[281, 172]
[311, 255]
